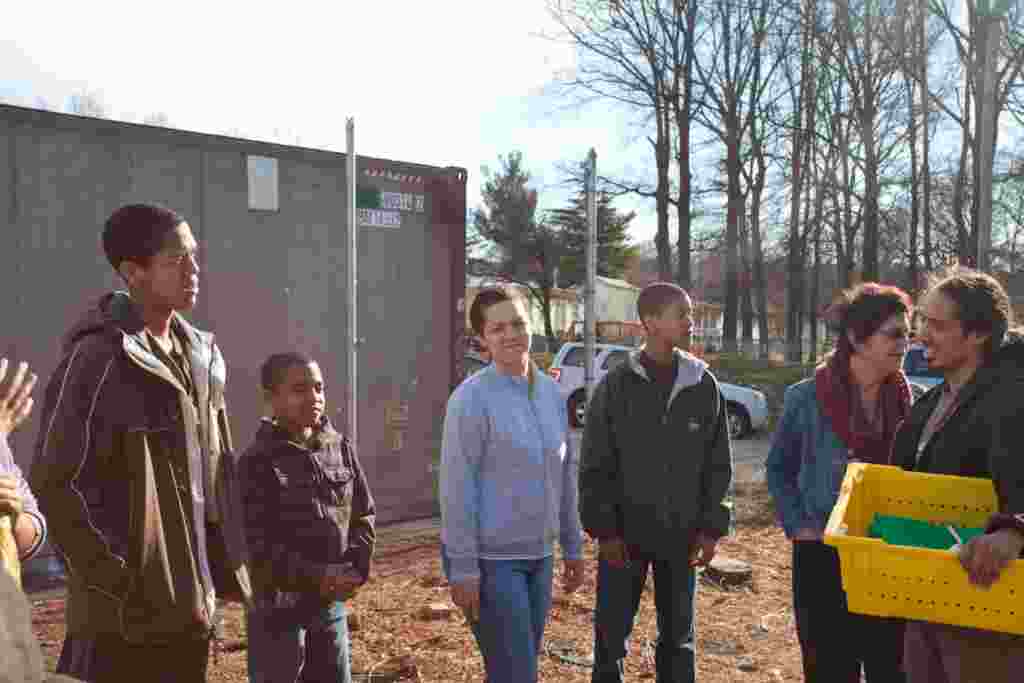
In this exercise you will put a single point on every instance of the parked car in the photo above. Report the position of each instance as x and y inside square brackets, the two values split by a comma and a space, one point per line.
[915, 367]
[748, 408]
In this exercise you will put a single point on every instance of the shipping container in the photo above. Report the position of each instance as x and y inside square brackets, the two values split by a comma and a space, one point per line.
[271, 223]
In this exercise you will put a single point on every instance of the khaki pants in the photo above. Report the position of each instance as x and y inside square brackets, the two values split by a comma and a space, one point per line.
[937, 653]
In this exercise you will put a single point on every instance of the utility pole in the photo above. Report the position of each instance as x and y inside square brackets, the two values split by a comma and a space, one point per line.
[590, 290]
[352, 354]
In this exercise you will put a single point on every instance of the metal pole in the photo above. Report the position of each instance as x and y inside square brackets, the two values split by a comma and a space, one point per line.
[991, 35]
[590, 291]
[353, 283]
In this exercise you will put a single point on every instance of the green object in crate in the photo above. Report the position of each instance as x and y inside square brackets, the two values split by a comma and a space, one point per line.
[918, 534]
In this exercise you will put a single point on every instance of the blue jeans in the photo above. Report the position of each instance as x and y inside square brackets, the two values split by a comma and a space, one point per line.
[618, 598]
[515, 596]
[307, 642]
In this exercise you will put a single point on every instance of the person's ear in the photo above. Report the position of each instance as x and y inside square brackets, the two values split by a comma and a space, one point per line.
[268, 404]
[130, 272]
[978, 340]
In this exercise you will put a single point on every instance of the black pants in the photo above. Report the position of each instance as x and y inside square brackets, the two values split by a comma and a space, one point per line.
[618, 598]
[109, 659]
[834, 642]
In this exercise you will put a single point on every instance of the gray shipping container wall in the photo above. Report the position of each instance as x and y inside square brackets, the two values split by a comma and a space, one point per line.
[270, 281]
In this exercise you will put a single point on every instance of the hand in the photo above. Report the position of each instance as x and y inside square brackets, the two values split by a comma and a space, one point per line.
[15, 402]
[572, 575]
[807, 535]
[614, 552]
[466, 596]
[340, 582]
[10, 499]
[986, 556]
[703, 551]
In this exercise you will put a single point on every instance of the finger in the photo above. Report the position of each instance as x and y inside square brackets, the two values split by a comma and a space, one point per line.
[25, 389]
[23, 411]
[16, 381]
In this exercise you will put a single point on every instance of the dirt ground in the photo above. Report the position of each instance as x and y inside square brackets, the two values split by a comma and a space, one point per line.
[743, 634]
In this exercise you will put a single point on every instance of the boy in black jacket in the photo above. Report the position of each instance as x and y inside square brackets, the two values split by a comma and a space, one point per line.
[310, 528]
[655, 470]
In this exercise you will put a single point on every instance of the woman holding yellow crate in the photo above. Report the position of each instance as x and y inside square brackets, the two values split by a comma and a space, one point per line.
[970, 425]
[848, 412]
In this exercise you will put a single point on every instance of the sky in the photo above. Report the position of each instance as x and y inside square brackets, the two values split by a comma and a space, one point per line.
[456, 82]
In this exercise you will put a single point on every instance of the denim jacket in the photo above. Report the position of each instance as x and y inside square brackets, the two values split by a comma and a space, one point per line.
[806, 463]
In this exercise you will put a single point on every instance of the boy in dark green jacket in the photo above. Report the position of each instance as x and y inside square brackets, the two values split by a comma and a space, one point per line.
[654, 473]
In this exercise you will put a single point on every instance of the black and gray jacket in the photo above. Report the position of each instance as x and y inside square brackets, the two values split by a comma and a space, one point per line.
[652, 474]
[982, 436]
[305, 508]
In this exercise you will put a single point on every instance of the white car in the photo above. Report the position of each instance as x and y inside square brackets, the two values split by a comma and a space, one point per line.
[748, 408]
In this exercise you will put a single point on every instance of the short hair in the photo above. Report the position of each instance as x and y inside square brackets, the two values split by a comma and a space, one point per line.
[274, 369]
[863, 309]
[982, 304]
[136, 232]
[484, 299]
[656, 297]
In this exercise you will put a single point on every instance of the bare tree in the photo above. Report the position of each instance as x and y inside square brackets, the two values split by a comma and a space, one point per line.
[734, 80]
[620, 59]
[88, 103]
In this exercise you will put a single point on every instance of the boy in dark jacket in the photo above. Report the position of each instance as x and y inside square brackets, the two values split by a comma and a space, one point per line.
[134, 468]
[655, 470]
[310, 529]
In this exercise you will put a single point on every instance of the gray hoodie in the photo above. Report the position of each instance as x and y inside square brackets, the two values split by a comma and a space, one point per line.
[651, 473]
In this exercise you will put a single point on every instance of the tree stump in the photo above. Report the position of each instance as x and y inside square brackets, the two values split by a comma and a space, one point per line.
[726, 571]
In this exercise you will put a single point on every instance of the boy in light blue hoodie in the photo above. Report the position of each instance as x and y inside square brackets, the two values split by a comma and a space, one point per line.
[508, 491]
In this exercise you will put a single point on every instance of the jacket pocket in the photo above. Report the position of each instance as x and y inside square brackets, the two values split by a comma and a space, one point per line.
[299, 499]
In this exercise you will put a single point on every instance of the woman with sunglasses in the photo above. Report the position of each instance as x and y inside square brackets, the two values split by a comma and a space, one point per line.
[848, 412]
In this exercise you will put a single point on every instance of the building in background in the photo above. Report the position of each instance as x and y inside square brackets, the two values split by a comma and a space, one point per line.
[273, 233]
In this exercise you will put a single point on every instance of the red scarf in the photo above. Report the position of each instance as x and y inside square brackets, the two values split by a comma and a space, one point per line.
[835, 398]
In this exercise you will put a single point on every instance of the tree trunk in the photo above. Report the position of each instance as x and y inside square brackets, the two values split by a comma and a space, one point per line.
[662, 155]
[815, 303]
[926, 175]
[683, 117]
[868, 139]
[915, 194]
[794, 257]
[735, 206]
[746, 291]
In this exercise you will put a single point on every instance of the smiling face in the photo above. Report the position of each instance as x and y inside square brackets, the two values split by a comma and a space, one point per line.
[947, 348]
[171, 278]
[299, 399]
[884, 350]
[506, 334]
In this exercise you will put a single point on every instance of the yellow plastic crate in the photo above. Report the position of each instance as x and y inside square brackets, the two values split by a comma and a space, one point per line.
[919, 583]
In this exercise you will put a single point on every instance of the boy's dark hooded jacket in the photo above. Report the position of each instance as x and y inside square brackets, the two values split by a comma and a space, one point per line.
[122, 445]
[652, 474]
[305, 508]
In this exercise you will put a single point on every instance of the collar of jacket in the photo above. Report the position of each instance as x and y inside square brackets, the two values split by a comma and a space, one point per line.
[326, 434]
[198, 344]
[691, 370]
